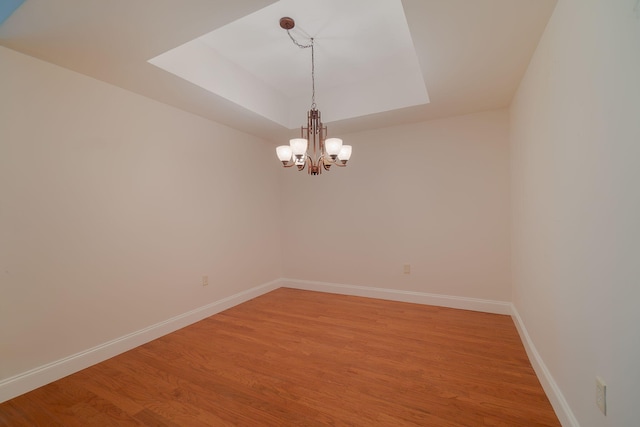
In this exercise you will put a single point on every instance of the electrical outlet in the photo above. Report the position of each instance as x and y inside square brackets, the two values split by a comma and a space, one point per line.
[205, 280]
[407, 269]
[601, 395]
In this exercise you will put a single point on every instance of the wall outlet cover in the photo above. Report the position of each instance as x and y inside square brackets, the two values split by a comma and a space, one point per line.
[601, 395]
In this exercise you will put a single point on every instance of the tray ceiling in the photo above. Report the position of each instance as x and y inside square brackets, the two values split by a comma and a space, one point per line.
[469, 54]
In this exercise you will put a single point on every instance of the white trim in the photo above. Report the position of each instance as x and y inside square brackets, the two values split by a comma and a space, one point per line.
[464, 303]
[555, 396]
[37, 377]
[559, 403]
[30, 380]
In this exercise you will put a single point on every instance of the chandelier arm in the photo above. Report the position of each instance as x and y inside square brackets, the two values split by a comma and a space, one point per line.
[307, 162]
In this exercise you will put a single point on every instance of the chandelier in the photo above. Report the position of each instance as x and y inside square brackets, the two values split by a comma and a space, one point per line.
[312, 150]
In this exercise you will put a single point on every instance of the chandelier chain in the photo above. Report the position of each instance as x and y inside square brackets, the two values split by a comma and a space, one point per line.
[313, 66]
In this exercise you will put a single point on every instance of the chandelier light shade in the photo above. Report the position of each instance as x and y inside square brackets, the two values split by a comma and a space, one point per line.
[313, 150]
[284, 153]
[345, 153]
[298, 147]
[333, 147]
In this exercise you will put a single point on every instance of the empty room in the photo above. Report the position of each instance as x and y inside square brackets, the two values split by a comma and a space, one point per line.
[329, 212]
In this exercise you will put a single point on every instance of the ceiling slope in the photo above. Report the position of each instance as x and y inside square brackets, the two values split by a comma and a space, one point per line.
[472, 53]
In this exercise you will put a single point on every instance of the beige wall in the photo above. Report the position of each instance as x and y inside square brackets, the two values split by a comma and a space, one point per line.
[112, 208]
[576, 205]
[433, 194]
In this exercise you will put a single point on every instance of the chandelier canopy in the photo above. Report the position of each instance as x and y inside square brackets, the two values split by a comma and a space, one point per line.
[313, 149]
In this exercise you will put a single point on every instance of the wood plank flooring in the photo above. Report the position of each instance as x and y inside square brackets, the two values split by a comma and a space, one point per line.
[300, 358]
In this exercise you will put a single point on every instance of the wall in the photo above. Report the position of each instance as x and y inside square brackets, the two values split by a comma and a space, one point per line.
[433, 194]
[575, 134]
[113, 207]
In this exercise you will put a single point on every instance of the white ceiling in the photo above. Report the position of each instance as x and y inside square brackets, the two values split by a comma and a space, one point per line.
[471, 54]
[361, 48]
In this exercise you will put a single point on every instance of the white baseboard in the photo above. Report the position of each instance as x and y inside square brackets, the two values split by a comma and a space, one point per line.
[555, 396]
[559, 403]
[30, 380]
[464, 303]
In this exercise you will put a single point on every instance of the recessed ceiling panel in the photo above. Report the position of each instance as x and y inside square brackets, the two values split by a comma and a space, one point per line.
[365, 60]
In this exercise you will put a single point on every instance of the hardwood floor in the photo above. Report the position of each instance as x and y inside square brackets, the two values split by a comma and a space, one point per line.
[300, 358]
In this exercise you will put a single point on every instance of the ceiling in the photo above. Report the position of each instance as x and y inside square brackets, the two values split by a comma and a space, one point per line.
[470, 55]
[365, 62]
